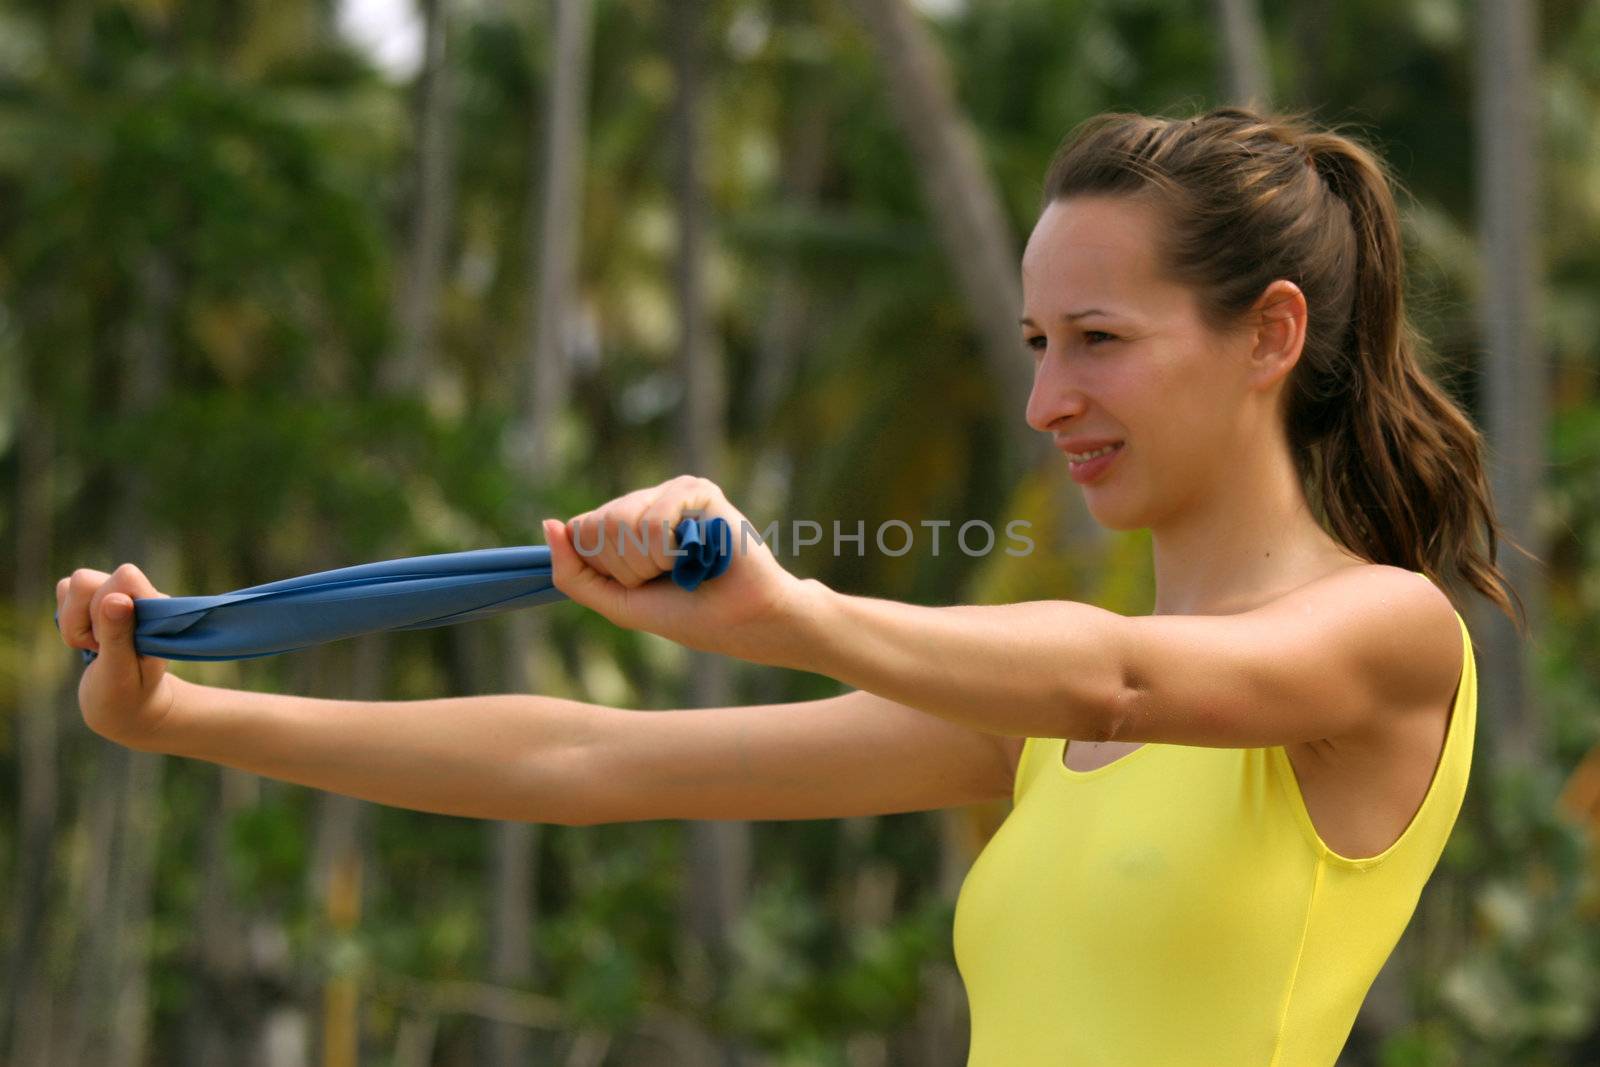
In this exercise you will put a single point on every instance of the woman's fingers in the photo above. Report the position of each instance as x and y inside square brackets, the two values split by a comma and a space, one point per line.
[622, 553]
[127, 580]
[77, 630]
[80, 597]
[630, 539]
[613, 541]
[574, 577]
[684, 495]
[595, 536]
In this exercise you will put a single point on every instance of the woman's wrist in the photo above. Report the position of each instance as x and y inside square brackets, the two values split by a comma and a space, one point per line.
[205, 722]
[806, 622]
[175, 735]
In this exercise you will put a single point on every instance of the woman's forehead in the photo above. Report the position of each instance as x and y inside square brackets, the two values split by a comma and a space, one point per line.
[1071, 232]
[1097, 249]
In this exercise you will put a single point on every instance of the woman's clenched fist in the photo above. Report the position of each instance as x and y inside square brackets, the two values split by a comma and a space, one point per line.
[123, 696]
[608, 559]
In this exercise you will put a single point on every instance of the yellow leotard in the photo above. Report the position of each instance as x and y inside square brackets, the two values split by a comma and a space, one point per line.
[1177, 908]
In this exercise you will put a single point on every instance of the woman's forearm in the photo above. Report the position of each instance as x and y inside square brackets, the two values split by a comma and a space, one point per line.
[505, 756]
[1044, 668]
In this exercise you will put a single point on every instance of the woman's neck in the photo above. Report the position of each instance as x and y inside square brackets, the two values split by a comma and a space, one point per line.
[1253, 540]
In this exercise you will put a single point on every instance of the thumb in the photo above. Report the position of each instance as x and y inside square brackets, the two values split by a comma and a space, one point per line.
[113, 630]
[574, 577]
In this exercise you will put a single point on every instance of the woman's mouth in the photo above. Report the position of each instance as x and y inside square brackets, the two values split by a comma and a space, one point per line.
[1094, 464]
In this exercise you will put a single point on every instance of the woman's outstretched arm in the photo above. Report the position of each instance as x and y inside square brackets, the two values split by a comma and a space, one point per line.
[1047, 668]
[552, 760]
[504, 756]
[1040, 669]
[1352, 655]
[1346, 655]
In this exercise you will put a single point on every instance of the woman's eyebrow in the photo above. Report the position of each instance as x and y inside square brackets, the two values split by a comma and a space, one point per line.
[1068, 317]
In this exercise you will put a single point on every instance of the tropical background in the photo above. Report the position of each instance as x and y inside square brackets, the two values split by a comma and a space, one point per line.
[293, 285]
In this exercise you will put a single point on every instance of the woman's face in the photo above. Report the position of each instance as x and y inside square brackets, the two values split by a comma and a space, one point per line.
[1139, 368]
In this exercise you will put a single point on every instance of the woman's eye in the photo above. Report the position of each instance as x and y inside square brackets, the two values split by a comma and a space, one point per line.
[1092, 337]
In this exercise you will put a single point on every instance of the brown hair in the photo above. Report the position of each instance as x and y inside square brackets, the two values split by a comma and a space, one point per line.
[1392, 467]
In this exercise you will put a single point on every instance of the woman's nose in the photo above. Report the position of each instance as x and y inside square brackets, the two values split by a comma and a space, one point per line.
[1053, 397]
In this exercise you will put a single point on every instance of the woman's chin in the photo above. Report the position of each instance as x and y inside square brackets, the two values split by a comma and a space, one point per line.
[1110, 515]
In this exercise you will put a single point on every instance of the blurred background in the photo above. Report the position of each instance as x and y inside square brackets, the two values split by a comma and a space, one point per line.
[291, 285]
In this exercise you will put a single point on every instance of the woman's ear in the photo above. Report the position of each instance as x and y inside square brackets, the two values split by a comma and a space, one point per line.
[1279, 316]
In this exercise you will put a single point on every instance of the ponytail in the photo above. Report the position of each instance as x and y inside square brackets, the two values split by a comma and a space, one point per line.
[1399, 474]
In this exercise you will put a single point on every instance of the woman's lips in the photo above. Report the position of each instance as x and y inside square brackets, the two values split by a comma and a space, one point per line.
[1091, 470]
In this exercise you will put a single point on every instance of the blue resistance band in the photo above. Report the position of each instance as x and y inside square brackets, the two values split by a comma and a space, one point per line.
[416, 593]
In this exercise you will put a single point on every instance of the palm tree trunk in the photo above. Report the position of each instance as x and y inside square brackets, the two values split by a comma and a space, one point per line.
[555, 228]
[342, 822]
[965, 207]
[492, 658]
[719, 851]
[1515, 388]
[555, 224]
[227, 1009]
[29, 997]
[417, 305]
[113, 975]
[1245, 72]
[339, 851]
[1310, 20]
[869, 907]
[766, 488]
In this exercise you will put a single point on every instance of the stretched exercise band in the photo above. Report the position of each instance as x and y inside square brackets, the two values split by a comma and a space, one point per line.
[415, 593]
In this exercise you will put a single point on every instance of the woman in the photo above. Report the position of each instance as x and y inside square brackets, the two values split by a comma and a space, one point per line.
[1224, 811]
